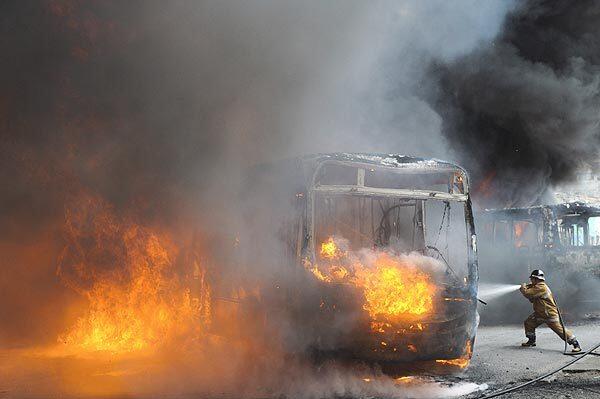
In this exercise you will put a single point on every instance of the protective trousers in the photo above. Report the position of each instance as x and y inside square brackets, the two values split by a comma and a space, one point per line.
[532, 322]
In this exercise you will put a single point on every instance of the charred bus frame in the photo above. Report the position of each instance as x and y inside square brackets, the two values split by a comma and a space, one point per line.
[299, 187]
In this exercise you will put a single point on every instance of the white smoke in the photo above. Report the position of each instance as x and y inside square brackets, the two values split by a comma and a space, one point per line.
[336, 382]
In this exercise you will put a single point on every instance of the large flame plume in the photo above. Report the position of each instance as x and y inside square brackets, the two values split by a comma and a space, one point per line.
[127, 272]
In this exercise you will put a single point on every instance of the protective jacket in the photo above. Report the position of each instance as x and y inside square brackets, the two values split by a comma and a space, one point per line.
[541, 297]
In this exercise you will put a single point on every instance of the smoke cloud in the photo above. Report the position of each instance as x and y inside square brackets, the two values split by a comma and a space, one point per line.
[523, 112]
[159, 110]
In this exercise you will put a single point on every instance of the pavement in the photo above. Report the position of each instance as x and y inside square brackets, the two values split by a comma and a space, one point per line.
[500, 361]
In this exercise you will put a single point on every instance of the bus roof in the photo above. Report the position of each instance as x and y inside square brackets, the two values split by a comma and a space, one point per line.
[385, 160]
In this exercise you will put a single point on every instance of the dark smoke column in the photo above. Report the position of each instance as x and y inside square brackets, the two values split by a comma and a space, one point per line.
[524, 112]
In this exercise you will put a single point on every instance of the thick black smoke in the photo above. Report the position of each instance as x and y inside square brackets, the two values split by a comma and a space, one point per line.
[524, 112]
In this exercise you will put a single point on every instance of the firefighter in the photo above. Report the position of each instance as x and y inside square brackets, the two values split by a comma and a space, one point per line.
[544, 311]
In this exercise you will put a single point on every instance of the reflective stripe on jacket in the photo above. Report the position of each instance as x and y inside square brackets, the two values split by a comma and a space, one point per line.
[541, 297]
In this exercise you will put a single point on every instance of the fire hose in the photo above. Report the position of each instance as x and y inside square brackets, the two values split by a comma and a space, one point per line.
[523, 385]
[564, 330]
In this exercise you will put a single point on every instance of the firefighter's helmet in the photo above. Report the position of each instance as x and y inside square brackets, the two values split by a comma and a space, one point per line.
[537, 273]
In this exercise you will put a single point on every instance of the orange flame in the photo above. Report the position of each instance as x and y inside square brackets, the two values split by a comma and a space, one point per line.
[339, 272]
[462, 361]
[405, 380]
[392, 288]
[139, 302]
[520, 228]
[330, 250]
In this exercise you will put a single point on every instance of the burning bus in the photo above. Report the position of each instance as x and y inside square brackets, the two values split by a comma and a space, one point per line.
[369, 256]
[563, 239]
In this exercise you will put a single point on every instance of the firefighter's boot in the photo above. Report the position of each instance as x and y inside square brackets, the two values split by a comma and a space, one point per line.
[530, 342]
[576, 346]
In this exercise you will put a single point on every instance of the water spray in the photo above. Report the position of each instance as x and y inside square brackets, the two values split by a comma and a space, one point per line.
[493, 291]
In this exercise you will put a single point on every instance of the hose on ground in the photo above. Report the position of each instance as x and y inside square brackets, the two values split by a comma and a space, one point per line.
[523, 385]
[562, 324]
